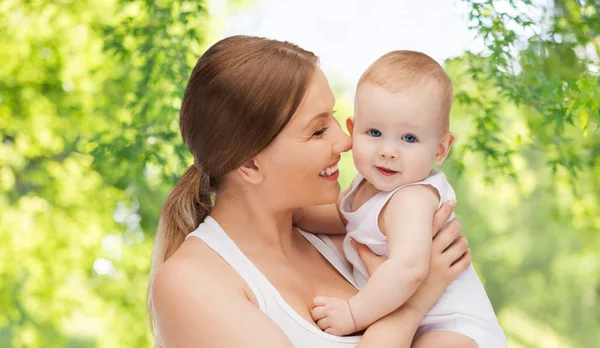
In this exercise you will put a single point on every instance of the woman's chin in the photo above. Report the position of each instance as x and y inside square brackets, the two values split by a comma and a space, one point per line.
[326, 197]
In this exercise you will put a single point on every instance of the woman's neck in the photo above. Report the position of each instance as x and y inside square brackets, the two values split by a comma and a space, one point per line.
[253, 225]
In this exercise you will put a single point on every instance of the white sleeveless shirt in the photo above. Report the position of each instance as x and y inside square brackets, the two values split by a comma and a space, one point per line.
[300, 332]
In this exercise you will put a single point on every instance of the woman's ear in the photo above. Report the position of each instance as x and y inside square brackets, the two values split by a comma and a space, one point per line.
[444, 148]
[350, 125]
[250, 172]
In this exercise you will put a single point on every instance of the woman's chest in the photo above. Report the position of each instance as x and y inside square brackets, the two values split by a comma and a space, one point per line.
[299, 280]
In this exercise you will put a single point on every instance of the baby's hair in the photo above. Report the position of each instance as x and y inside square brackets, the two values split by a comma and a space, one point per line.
[397, 71]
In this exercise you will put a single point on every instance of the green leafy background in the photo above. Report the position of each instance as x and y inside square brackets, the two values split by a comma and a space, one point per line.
[89, 147]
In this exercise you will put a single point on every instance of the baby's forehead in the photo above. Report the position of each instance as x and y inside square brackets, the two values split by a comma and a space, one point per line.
[401, 121]
[414, 104]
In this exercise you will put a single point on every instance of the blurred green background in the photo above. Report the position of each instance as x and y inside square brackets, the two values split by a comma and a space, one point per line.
[89, 147]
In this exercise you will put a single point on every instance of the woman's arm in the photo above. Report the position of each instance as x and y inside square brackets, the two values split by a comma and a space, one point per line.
[324, 219]
[193, 308]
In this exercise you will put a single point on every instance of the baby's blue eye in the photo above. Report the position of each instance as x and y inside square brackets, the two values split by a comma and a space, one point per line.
[374, 133]
[409, 138]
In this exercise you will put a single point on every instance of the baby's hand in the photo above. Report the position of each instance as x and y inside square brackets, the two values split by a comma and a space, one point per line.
[333, 315]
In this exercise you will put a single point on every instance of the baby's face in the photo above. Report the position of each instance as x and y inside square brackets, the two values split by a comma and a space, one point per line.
[396, 136]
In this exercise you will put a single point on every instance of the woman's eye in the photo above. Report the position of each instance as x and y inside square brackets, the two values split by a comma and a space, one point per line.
[320, 132]
[409, 138]
[374, 133]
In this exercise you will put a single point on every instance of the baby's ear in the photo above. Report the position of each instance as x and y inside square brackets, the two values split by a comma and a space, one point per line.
[444, 148]
[350, 125]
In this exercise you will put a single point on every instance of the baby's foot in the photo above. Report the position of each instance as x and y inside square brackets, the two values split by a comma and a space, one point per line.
[333, 315]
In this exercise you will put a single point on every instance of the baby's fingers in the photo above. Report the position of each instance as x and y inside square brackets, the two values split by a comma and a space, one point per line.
[331, 331]
[318, 313]
[324, 324]
[319, 301]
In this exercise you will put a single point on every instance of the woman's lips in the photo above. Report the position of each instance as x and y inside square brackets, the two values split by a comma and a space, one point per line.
[333, 177]
[330, 169]
[385, 171]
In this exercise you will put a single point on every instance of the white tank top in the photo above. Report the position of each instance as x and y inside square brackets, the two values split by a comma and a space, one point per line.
[300, 332]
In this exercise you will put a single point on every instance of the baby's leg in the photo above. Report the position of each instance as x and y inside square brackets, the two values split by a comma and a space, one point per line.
[443, 339]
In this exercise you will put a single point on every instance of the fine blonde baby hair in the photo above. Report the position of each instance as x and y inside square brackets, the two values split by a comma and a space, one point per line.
[400, 70]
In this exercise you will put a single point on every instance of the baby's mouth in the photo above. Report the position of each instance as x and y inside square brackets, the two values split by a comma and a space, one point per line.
[385, 171]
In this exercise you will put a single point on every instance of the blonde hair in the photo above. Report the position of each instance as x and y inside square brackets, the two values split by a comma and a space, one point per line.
[240, 95]
[398, 71]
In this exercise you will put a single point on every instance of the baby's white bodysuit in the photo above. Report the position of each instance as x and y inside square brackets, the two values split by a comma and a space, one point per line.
[464, 307]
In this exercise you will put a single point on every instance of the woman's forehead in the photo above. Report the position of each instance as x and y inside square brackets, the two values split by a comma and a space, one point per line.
[319, 99]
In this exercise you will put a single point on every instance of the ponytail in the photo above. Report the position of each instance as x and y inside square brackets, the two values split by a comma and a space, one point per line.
[186, 206]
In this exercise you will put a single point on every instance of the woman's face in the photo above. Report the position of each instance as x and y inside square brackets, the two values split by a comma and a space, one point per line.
[300, 165]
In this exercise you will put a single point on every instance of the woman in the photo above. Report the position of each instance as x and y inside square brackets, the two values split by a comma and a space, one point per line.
[257, 116]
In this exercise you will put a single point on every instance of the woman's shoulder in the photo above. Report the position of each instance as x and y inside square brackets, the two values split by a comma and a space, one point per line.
[196, 267]
[197, 298]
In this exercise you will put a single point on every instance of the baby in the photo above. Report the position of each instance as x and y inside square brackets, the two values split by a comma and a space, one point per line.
[400, 130]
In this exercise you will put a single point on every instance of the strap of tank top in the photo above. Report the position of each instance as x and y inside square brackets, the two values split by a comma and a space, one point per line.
[215, 238]
[434, 180]
[354, 184]
[327, 248]
[211, 233]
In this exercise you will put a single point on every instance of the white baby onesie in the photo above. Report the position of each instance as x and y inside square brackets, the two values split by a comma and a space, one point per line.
[464, 307]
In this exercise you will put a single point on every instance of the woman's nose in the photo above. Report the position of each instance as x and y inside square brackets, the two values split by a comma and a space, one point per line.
[342, 142]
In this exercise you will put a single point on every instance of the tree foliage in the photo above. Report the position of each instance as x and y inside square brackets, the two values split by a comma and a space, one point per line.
[527, 114]
[89, 147]
[545, 59]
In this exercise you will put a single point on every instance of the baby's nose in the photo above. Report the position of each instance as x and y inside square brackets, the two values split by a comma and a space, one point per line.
[388, 154]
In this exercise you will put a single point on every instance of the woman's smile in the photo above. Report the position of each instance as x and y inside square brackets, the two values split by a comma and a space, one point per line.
[331, 172]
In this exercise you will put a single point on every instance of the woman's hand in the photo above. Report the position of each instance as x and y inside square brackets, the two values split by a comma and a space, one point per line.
[449, 258]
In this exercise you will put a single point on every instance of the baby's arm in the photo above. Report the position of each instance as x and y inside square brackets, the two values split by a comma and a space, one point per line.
[406, 222]
[325, 219]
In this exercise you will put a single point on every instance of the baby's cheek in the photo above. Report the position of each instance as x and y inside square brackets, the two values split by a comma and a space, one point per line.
[364, 148]
[357, 152]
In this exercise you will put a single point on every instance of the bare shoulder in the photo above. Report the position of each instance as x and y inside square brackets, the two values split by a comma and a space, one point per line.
[415, 196]
[194, 264]
[199, 300]
[410, 203]
[193, 275]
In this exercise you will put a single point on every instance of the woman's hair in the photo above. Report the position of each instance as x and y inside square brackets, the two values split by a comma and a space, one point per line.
[241, 94]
